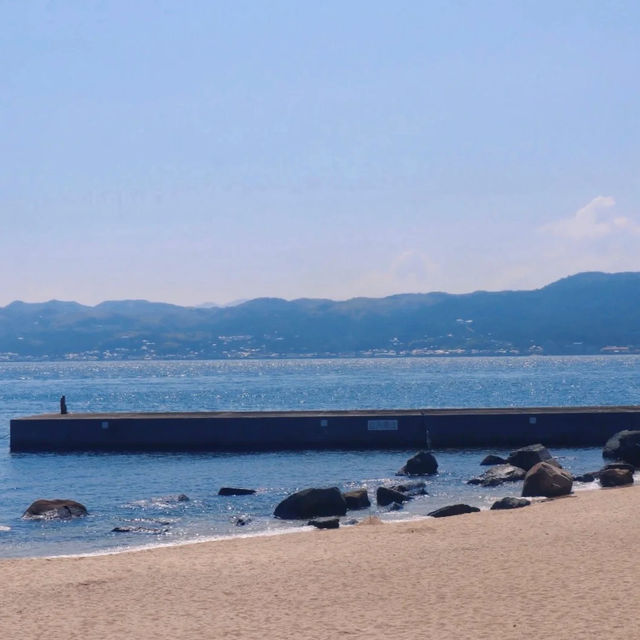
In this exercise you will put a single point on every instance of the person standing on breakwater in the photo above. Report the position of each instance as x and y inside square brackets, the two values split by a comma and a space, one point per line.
[63, 405]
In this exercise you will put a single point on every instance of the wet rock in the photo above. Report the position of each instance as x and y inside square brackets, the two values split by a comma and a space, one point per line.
[498, 475]
[623, 446]
[547, 480]
[453, 510]
[55, 509]
[312, 503]
[491, 459]
[510, 503]
[424, 463]
[615, 477]
[527, 457]
[233, 491]
[325, 523]
[357, 499]
[396, 506]
[182, 498]
[385, 496]
[417, 488]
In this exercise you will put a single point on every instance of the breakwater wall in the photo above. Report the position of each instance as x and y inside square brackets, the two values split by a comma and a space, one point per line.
[291, 430]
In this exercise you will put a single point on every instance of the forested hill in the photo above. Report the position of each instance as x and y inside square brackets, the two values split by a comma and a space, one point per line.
[588, 313]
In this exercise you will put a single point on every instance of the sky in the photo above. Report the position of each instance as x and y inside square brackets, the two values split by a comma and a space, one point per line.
[204, 151]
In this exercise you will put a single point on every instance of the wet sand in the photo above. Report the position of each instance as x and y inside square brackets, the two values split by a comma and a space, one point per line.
[564, 569]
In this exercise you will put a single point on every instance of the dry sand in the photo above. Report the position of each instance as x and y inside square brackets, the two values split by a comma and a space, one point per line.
[559, 569]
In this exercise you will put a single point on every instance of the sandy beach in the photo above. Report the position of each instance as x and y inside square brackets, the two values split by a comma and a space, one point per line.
[563, 569]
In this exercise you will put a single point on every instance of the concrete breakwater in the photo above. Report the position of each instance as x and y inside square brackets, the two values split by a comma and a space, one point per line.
[297, 430]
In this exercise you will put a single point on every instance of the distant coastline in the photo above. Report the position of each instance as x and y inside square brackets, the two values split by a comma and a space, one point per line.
[584, 314]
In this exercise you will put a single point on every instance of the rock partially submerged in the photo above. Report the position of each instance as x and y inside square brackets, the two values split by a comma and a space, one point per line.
[55, 509]
[233, 491]
[416, 488]
[545, 479]
[499, 474]
[492, 459]
[386, 496]
[624, 446]
[424, 463]
[357, 499]
[132, 529]
[510, 503]
[527, 457]
[312, 503]
[241, 520]
[453, 510]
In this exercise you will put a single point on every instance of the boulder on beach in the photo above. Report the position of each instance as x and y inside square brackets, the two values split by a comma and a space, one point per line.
[312, 503]
[499, 474]
[623, 446]
[492, 459]
[424, 463]
[527, 457]
[233, 491]
[615, 477]
[325, 523]
[385, 496]
[357, 499]
[452, 510]
[510, 503]
[57, 508]
[545, 479]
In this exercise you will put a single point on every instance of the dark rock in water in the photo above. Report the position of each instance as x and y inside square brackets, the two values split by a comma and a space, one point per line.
[452, 510]
[312, 503]
[589, 476]
[325, 523]
[423, 463]
[182, 498]
[615, 477]
[499, 474]
[357, 499]
[491, 459]
[385, 496]
[350, 522]
[623, 446]
[547, 480]
[510, 503]
[127, 529]
[241, 521]
[396, 506]
[232, 491]
[58, 508]
[527, 457]
[417, 488]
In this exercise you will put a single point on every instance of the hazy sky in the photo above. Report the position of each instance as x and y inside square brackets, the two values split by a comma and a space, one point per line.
[209, 151]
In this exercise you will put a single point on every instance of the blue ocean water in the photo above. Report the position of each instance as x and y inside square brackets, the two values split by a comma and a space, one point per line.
[140, 490]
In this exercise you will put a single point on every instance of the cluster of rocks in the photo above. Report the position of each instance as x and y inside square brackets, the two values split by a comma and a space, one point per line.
[541, 475]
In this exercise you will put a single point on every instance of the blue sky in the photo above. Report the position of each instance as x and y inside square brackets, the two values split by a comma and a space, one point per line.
[208, 151]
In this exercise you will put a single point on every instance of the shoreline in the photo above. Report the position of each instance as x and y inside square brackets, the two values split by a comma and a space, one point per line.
[558, 566]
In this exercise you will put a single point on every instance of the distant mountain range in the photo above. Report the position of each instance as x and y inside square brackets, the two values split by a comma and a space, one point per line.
[588, 313]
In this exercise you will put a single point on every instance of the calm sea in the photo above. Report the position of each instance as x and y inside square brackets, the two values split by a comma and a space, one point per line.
[140, 490]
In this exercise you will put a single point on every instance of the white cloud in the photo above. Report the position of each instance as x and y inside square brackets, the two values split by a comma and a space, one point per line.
[591, 222]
